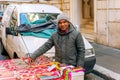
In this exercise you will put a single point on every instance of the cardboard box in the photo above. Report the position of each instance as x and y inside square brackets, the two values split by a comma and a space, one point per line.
[77, 75]
[72, 73]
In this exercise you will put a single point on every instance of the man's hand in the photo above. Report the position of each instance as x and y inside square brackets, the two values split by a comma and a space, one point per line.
[27, 59]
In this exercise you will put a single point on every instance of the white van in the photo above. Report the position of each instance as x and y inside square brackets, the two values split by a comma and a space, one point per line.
[16, 38]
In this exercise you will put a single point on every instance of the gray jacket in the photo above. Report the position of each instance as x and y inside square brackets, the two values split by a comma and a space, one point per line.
[69, 47]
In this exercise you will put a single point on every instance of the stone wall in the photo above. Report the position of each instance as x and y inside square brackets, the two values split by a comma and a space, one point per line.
[108, 23]
[63, 5]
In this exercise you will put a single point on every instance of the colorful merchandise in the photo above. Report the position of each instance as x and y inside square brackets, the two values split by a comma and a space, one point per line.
[42, 68]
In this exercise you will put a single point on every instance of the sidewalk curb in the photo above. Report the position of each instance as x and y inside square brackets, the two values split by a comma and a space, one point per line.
[105, 73]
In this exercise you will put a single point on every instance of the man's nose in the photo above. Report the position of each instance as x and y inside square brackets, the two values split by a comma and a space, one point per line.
[62, 23]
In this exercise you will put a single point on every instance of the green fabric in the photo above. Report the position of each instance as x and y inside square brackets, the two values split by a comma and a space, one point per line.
[43, 34]
[39, 21]
[36, 22]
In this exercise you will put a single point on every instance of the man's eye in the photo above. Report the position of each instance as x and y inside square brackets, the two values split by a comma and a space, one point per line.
[59, 23]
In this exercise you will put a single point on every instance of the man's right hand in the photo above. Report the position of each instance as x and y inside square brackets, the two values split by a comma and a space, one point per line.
[26, 58]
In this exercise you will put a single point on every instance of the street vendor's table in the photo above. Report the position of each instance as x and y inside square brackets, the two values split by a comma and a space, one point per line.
[43, 69]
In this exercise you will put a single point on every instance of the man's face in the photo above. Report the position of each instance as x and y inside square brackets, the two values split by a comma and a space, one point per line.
[63, 25]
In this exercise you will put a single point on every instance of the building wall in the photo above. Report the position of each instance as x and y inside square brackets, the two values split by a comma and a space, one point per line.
[108, 22]
[63, 5]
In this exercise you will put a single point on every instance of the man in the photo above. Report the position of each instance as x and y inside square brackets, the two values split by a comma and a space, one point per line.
[68, 42]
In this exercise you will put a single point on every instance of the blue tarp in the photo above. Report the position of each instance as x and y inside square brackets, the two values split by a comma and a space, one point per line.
[42, 34]
[39, 28]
